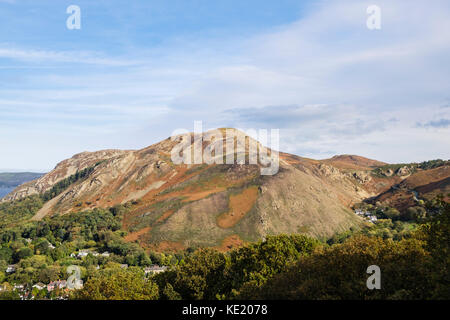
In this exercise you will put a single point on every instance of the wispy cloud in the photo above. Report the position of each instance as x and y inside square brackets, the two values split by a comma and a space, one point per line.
[441, 123]
[53, 57]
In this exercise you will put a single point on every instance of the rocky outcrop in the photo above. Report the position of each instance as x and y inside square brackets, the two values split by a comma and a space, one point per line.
[404, 171]
[62, 170]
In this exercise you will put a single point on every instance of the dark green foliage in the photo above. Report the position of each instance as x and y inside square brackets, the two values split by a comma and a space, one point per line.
[13, 212]
[6, 254]
[22, 254]
[339, 272]
[202, 275]
[169, 293]
[258, 262]
[118, 284]
[9, 295]
[208, 274]
[436, 233]
[63, 184]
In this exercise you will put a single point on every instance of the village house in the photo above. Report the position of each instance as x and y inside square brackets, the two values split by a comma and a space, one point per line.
[366, 214]
[39, 286]
[83, 253]
[11, 268]
[19, 287]
[60, 284]
[154, 269]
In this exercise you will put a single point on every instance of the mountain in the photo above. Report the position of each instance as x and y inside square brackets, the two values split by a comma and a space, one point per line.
[175, 206]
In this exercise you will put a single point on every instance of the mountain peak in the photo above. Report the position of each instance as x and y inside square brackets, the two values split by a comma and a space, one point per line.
[354, 162]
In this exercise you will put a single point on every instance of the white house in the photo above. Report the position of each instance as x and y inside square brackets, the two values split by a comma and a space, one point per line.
[19, 287]
[11, 268]
[155, 269]
[82, 254]
[39, 286]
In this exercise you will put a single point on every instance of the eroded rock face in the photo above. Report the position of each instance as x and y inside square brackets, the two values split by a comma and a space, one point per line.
[329, 171]
[388, 173]
[362, 177]
[403, 171]
[62, 170]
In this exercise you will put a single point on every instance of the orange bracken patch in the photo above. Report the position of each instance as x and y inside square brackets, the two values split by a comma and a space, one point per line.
[231, 242]
[240, 205]
[133, 236]
[169, 246]
[165, 215]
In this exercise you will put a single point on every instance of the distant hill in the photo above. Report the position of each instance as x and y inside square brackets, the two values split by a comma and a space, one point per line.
[14, 179]
[353, 162]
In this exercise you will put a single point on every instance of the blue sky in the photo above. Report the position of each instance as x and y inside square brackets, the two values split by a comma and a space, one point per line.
[138, 70]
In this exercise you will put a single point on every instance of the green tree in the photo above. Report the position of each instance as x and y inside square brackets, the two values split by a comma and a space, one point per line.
[256, 263]
[392, 213]
[339, 272]
[202, 275]
[118, 284]
[436, 233]
[22, 254]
